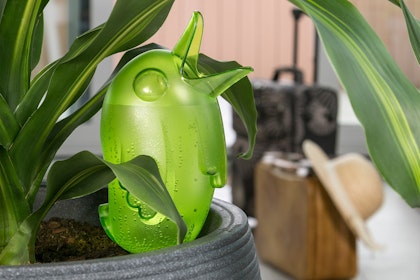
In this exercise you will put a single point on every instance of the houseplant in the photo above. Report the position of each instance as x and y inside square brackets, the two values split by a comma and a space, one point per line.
[383, 99]
[31, 130]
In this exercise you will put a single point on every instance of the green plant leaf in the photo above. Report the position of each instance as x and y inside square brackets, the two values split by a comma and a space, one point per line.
[240, 96]
[18, 24]
[36, 92]
[8, 124]
[133, 22]
[18, 251]
[73, 72]
[82, 174]
[384, 100]
[413, 26]
[36, 44]
[86, 173]
[149, 187]
[41, 82]
[13, 207]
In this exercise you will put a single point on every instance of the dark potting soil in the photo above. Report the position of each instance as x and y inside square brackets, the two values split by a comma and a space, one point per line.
[68, 240]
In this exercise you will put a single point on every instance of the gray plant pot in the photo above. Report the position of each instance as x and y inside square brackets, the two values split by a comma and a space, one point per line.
[224, 250]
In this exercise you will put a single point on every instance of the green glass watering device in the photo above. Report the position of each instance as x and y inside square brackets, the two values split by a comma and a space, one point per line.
[160, 105]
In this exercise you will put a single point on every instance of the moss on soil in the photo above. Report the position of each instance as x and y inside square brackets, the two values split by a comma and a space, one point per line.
[68, 240]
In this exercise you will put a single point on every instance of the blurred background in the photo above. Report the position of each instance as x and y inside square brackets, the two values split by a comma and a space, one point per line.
[253, 33]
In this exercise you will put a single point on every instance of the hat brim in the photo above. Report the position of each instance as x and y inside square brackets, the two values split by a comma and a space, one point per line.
[330, 180]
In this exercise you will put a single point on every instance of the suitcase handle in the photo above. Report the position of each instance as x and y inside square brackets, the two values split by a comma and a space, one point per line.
[297, 74]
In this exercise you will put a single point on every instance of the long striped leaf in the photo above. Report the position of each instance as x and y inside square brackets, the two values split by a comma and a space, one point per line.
[13, 207]
[40, 84]
[16, 38]
[385, 101]
[9, 127]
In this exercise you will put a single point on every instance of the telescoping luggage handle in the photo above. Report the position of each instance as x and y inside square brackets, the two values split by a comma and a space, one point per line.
[297, 73]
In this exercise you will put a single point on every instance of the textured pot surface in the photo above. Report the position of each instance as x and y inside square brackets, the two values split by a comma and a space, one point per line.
[224, 250]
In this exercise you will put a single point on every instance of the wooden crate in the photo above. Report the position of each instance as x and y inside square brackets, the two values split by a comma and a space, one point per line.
[299, 229]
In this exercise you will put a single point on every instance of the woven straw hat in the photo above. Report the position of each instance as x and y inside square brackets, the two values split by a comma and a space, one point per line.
[354, 186]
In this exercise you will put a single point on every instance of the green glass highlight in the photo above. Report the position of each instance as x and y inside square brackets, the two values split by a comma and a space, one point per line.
[160, 105]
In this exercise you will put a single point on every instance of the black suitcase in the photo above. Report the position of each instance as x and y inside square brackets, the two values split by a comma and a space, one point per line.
[288, 113]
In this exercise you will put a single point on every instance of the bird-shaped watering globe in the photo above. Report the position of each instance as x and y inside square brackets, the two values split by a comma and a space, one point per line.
[160, 105]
